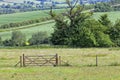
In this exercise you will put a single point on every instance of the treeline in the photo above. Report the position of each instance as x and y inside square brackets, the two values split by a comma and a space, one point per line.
[107, 7]
[114, 2]
[19, 7]
[19, 39]
[24, 23]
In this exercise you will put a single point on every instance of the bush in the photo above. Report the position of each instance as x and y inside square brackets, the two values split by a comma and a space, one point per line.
[7, 42]
[39, 38]
[18, 38]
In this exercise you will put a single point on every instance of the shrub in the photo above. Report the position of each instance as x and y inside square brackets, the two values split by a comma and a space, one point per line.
[39, 38]
[18, 38]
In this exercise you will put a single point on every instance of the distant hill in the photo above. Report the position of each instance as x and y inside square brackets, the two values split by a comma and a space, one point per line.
[80, 1]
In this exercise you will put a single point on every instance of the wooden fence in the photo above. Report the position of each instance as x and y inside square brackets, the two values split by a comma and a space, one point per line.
[38, 60]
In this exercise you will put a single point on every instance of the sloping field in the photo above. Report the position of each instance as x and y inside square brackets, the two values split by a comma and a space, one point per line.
[19, 17]
[29, 30]
[82, 63]
[24, 16]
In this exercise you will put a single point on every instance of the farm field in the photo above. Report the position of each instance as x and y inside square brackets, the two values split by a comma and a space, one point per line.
[24, 16]
[82, 63]
[19, 17]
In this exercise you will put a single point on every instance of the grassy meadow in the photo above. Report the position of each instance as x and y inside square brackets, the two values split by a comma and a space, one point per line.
[82, 63]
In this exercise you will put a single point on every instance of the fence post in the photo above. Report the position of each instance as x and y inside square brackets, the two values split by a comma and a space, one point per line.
[96, 60]
[56, 59]
[23, 60]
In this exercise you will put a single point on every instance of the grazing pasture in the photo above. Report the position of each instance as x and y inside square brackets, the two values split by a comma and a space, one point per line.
[81, 61]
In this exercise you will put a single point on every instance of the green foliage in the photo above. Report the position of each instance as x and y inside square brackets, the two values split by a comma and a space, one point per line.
[104, 20]
[59, 37]
[115, 33]
[17, 39]
[39, 38]
[92, 35]
[103, 40]
[1, 42]
[7, 42]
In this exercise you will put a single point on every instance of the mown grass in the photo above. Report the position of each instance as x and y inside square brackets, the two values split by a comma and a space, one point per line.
[82, 67]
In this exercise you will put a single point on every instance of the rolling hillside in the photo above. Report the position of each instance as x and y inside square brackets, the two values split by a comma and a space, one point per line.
[47, 26]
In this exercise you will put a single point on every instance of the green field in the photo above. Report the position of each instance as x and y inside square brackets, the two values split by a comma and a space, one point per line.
[24, 16]
[82, 63]
[19, 17]
[48, 27]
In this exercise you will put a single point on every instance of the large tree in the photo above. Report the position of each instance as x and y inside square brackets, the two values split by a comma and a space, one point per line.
[76, 28]
[67, 23]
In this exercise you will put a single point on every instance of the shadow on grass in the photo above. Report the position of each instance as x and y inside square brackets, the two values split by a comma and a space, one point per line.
[114, 64]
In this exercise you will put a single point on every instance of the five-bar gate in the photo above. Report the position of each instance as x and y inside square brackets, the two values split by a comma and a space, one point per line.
[38, 60]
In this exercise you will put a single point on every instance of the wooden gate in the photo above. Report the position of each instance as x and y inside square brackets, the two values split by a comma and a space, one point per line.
[38, 60]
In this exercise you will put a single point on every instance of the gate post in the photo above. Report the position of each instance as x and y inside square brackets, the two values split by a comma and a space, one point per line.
[59, 60]
[96, 60]
[56, 59]
[23, 60]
